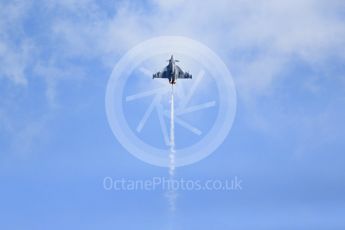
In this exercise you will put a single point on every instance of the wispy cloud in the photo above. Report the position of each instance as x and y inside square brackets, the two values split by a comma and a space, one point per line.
[254, 34]
[15, 48]
[257, 39]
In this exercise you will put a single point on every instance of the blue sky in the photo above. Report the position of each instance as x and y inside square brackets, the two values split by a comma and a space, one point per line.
[286, 143]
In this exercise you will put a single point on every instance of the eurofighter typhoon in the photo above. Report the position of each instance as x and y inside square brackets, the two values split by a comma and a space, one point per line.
[172, 72]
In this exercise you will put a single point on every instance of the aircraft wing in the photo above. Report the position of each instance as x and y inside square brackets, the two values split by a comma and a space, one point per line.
[182, 74]
[163, 74]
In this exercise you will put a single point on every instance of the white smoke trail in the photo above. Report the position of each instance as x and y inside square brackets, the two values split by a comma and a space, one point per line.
[172, 193]
[172, 135]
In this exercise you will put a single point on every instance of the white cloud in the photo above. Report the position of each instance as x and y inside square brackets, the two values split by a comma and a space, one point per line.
[256, 38]
[276, 30]
[15, 48]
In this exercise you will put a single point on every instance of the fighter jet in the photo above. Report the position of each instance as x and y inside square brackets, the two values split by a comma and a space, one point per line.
[172, 72]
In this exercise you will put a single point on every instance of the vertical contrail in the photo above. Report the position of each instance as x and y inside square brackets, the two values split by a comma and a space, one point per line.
[172, 135]
[172, 193]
